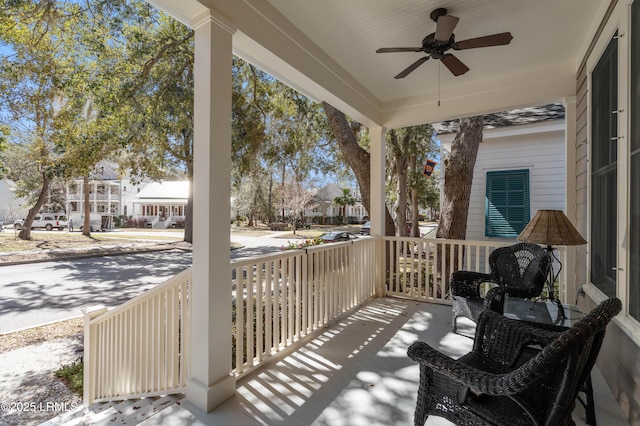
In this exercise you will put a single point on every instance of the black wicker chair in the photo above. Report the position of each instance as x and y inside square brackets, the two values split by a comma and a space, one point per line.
[519, 270]
[506, 379]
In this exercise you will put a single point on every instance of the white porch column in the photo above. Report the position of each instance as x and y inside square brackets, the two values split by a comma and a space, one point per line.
[211, 382]
[377, 207]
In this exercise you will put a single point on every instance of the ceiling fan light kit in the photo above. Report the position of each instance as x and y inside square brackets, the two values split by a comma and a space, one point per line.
[436, 44]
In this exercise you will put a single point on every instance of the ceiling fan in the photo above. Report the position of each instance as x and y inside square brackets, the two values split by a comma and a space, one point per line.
[435, 45]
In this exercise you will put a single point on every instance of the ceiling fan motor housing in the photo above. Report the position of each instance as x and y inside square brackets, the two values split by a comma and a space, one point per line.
[436, 48]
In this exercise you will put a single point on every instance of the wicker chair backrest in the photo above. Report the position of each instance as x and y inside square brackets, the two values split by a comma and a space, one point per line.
[522, 265]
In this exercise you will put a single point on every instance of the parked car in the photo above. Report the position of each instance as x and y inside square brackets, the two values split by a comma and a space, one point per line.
[335, 236]
[47, 221]
[366, 228]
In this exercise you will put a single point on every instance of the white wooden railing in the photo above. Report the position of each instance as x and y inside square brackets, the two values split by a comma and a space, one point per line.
[420, 268]
[141, 347]
[288, 295]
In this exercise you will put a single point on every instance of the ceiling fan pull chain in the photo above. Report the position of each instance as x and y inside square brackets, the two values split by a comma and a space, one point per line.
[439, 67]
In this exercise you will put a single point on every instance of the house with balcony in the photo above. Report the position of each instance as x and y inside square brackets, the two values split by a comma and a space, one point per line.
[299, 365]
[110, 193]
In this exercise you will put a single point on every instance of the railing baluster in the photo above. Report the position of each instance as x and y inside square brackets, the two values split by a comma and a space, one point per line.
[268, 305]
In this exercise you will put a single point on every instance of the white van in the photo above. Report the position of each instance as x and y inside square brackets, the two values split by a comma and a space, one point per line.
[47, 221]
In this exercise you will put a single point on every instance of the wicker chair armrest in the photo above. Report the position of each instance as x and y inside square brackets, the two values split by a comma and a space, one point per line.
[479, 381]
[467, 283]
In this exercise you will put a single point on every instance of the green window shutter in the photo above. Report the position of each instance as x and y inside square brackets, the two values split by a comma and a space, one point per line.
[506, 203]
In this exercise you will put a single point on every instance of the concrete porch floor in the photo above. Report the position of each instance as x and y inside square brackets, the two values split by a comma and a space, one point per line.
[355, 373]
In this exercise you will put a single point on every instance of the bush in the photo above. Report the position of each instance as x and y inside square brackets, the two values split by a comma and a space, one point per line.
[302, 244]
[72, 375]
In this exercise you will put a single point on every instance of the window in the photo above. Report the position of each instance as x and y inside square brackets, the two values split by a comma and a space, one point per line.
[506, 203]
[604, 170]
[634, 185]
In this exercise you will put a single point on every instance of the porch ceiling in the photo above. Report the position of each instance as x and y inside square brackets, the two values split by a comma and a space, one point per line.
[327, 50]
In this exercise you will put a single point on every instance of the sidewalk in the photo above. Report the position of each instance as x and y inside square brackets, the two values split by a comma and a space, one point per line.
[29, 392]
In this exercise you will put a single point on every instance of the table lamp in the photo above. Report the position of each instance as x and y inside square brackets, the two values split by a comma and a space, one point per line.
[553, 228]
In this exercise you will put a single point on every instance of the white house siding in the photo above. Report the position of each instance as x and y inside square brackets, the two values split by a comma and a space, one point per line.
[539, 148]
[11, 207]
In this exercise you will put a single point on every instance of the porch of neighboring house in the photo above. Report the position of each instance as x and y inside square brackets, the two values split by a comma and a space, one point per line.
[325, 350]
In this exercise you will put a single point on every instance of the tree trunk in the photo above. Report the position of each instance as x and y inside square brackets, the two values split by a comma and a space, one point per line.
[86, 226]
[400, 206]
[357, 158]
[458, 179]
[457, 188]
[25, 232]
[413, 193]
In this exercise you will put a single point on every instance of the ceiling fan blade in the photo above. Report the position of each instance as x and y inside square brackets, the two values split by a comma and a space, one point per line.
[454, 64]
[486, 41]
[446, 25]
[412, 67]
[399, 49]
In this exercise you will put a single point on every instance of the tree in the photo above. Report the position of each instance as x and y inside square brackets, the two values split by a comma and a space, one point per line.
[324, 200]
[296, 196]
[406, 145]
[276, 132]
[156, 111]
[36, 68]
[4, 131]
[429, 192]
[344, 200]
[251, 108]
[356, 157]
[458, 179]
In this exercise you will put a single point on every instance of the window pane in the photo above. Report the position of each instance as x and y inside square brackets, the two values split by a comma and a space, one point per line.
[604, 170]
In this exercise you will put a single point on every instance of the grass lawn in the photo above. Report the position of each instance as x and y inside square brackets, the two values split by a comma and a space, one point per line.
[10, 243]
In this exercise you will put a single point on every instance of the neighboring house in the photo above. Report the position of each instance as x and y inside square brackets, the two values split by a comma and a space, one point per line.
[109, 193]
[11, 206]
[159, 204]
[520, 168]
[162, 204]
[323, 204]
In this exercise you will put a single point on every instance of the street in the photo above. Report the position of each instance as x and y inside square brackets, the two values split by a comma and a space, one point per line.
[39, 293]
[43, 292]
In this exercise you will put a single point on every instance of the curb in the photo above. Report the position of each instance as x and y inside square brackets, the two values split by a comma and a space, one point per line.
[99, 252]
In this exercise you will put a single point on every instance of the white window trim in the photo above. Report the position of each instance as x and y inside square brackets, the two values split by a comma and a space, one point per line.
[618, 21]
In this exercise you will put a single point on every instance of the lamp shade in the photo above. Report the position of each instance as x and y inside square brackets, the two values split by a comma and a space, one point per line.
[553, 228]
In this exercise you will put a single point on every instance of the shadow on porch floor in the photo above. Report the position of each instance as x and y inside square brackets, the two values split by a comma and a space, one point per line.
[355, 373]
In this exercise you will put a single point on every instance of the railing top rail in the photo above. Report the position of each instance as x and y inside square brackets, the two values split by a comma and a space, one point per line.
[245, 261]
[328, 246]
[182, 276]
[265, 257]
[487, 243]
